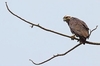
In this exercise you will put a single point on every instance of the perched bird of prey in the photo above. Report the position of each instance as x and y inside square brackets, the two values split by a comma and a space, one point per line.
[78, 28]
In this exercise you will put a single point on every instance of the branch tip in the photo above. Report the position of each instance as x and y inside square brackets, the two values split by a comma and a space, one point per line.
[5, 2]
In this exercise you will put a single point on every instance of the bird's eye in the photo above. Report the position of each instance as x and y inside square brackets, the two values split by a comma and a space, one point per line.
[66, 17]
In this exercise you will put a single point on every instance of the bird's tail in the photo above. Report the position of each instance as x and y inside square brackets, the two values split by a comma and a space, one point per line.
[82, 40]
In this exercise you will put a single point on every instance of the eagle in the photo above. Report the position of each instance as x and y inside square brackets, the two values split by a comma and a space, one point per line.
[78, 28]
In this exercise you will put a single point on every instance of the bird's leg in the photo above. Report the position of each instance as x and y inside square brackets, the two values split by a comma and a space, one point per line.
[72, 37]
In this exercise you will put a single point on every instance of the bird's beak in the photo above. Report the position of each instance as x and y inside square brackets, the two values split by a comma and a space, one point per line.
[64, 19]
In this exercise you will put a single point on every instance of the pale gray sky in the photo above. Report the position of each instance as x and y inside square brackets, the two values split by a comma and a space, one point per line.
[19, 42]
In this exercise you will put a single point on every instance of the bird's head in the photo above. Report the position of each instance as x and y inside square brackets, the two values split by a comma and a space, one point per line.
[66, 18]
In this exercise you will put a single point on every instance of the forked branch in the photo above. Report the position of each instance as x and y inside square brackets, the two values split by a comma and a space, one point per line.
[37, 25]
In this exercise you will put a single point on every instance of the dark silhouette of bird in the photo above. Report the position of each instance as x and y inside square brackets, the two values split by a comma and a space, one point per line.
[78, 28]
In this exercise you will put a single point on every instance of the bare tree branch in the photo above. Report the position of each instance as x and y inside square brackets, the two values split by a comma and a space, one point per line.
[34, 24]
[37, 25]
[54, 56]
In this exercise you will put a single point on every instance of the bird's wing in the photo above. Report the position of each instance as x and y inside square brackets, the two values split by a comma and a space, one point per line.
[84, 24]
[78, 27]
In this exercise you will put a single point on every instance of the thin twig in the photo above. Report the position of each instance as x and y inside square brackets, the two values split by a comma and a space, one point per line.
[56, 55]
[93, 30]
[37, 25]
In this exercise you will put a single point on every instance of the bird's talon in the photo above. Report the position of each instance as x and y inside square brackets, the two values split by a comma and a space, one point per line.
[72, 37]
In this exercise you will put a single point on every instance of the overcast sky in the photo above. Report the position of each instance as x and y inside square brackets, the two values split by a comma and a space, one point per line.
[19, 42]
